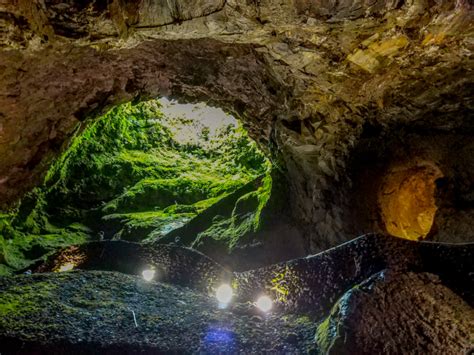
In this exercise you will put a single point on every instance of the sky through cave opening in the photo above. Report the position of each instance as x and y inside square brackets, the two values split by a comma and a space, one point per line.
[143, 172]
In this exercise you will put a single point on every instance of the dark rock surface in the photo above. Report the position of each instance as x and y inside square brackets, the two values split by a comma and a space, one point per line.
[399, 313]
[317, 83]
[177, 265]
[93, 312]
[81, 312]
[308, 285]
[340, 94]
[314, 283]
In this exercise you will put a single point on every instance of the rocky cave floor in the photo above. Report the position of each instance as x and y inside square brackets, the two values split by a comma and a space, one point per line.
[83, 312]
[363, 108]
[108, 312]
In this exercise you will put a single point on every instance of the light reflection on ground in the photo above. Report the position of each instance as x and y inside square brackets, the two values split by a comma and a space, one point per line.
[220, 336]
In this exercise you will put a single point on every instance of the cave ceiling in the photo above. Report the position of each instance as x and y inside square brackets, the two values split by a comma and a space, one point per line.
[309, 79]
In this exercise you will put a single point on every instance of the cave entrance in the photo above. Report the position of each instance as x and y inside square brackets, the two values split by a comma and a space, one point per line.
[147, 169]
[407, 201]
[157, 171]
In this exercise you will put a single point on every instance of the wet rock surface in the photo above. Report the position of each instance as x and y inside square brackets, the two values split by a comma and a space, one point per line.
[177, 265]
[393, 313]
[80, 311]
[314, 283]
[339, 94]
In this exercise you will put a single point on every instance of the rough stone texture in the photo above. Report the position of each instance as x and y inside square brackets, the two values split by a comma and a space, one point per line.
[307, 285]
[91, 312]
[392, 312]
[181, 266]
[312, 80]
[395, 313]
[407, 201]
[381, 156]
[312, 284]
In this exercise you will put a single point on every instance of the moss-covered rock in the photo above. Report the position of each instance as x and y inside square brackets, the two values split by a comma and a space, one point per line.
[398, 313]
[20, 252]
[244, 220]
[130, 175]
[162, 193]
[77, 312]
[142, 225]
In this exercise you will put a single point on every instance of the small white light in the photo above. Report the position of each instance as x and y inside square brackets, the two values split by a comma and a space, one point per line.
[224, 294]
[66, 267]
[264, 303]
[148, 274]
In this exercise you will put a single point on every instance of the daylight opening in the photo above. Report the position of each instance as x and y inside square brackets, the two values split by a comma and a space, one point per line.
[142, 172]
[407, 201]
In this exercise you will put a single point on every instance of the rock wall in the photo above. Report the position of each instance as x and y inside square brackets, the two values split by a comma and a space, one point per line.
[312, 284]
[308, 285]
[310, 79]
[440, 166]
[429, 318]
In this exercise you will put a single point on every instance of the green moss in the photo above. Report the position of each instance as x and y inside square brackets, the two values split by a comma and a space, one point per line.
[22, 300]
[205, 204]
[150, 225]
[324, 334]
[81, 228]
[280, 284]
[5, 270]
[142, 225]
[9, 305]
[227, 232]
[6, 229]
[161, 193]
[243, 222]
[20, 252]
[21, 305]
[126, 176]
[329, 330]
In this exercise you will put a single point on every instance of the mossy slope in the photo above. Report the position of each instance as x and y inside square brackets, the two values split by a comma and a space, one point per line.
[128, 175]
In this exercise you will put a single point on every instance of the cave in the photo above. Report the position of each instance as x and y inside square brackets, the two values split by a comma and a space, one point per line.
[156, 171]
[332, 211]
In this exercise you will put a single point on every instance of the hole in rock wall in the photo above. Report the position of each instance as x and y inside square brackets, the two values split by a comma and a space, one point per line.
[407, 200]
[142, 173]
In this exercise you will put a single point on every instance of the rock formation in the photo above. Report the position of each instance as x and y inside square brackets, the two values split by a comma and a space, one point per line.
[398, 309]
[429, 318]
[321, 85]
[364, 109]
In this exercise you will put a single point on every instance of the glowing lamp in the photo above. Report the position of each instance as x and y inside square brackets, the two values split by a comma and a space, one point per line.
[148, 274]
[224, 294]
[66, 267]
[264, 303]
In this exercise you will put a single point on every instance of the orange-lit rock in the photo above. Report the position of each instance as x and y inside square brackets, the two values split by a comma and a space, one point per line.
[407, 201]
[306, 77]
